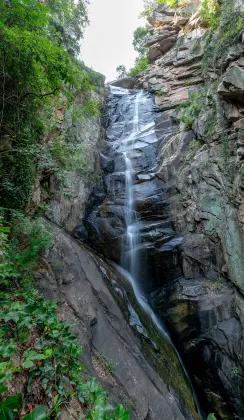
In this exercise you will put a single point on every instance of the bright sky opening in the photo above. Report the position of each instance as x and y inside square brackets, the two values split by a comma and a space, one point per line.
[108, 40]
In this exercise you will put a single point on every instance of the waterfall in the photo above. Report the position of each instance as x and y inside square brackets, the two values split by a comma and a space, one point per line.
[133, 140]
[131, 240]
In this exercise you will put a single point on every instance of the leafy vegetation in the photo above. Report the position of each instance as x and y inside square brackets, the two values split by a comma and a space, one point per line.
[141, 62]
[36, 348]
[121, 70]
[189, 111]
[211, 417]
[139, 37]
[38, 43]
[40, 77]
[108, 365]
[150, 5]
[226, 25]
[141, 65]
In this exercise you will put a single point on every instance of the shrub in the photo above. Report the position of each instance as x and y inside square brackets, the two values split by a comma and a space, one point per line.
[226, 24]
[190, 110]
[34, 344]
[141, 65]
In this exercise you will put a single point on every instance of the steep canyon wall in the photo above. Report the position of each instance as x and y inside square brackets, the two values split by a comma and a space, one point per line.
[189, 192]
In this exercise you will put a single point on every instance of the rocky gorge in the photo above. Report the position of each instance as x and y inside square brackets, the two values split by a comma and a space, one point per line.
[171, 335]
[188, 189]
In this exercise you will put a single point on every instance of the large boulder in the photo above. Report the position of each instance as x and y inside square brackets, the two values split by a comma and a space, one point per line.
[232, 82]
[124, 82]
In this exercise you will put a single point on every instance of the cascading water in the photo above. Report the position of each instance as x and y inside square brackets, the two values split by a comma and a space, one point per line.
[129, 256]
[131, 220]
[131, 240]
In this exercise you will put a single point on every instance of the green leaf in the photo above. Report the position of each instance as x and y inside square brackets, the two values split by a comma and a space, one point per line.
[211, 417]
[3, 366]
[27, 364]
[39, 413]
[10, 407]
[23, 337]
[48, 352]
[6, 350]
[6, 414]
[30, 354]
[120, 413]
[3, 388]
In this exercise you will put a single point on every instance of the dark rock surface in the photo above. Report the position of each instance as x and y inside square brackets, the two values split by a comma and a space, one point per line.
[74, 277]
[205, 317]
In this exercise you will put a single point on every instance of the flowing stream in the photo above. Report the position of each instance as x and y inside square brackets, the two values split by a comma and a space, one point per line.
[129, 257]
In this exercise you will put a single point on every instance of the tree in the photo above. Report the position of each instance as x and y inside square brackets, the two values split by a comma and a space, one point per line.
[140, 36]
[38, 43]
[140, 65]
[121, 70]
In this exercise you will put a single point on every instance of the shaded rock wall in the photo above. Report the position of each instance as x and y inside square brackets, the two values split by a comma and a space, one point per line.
[65, 200]
[82, 284]
[203, 179]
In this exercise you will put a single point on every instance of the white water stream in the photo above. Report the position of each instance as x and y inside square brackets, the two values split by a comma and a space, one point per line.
[130, 256]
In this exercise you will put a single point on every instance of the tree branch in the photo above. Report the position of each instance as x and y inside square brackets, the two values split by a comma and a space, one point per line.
[40, 96]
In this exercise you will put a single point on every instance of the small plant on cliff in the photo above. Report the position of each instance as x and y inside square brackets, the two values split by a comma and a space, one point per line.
[209, 10]
[189, 111]
[141, 65]
[139, 37]
[150, 5]
[108, 364]
[226, 25]
[141, 62]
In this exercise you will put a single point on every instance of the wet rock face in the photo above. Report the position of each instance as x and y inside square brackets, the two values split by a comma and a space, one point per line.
[205, 319]
[79, 281]
[158, 249]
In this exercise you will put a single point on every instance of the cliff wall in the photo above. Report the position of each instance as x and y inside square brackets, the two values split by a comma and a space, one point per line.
[196, 74]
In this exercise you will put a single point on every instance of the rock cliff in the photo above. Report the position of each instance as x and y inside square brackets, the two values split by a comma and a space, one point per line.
[189, 200]
[123, 350]
[189, 193]
[198, 82]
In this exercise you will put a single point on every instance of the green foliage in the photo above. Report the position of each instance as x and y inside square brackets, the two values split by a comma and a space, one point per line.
[226, 25]
[10, 407]
[209, 10]
[150, 5]
[37, 46]
[141, 65]
[33, 341]
[39, 413]
[139, 38]
[28, 239]
[108, 365]
[58, 157]
[121, 70]
[190, 110]
[211, 417]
